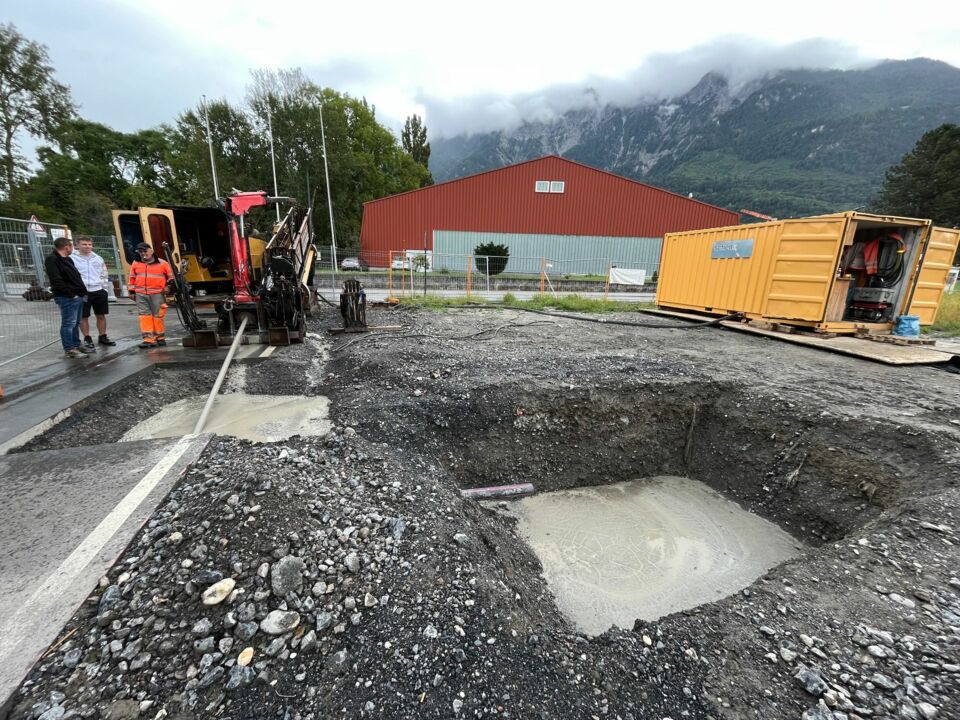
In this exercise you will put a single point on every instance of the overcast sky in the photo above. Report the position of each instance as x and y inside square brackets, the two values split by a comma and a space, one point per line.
[464, 66]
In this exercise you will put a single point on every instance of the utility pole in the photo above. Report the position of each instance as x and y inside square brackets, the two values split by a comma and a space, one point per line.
[213, 165]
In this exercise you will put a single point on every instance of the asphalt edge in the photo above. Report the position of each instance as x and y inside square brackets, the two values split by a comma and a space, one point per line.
[9, 696]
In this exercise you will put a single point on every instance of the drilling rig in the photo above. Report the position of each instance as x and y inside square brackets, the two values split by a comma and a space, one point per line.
[219, 262]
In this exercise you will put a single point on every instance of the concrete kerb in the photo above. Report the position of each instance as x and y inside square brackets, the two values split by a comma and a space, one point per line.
[58, 417]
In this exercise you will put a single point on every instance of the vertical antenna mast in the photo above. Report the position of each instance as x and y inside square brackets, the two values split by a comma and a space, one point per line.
[213, 166]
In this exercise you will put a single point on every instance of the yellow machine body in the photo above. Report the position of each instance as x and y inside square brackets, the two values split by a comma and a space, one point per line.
[198, 239]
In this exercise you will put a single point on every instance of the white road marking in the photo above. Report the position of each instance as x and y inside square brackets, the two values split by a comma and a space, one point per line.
[48, 595]
[268, 352]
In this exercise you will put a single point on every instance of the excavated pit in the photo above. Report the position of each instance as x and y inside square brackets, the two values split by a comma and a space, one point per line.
[753, 482]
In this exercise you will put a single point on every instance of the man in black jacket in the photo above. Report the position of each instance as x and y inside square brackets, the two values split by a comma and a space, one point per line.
[69, 293]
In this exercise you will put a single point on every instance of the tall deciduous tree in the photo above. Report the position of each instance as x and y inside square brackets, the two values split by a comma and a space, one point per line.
[364, 159]
[31, 101]
[414, 140]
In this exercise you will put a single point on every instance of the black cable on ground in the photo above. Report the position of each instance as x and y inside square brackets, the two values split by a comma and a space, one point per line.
[601, 321]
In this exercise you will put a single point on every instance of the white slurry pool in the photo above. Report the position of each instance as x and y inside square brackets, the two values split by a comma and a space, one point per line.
[644, 549]
[262, 418]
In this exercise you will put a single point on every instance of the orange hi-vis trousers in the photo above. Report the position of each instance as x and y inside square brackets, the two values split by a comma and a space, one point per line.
[152, 309]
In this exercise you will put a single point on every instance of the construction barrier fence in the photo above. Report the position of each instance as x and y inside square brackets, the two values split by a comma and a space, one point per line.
[418, 272]
[29, 319]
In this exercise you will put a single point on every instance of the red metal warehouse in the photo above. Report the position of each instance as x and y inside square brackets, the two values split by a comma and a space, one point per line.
[549, 196]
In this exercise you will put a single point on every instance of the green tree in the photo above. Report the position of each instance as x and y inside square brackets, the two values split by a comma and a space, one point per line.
[94, 170]
[491, 258]
[414, 141]
[926, 182]
[365, 160]
[240, 150]
[31, 101]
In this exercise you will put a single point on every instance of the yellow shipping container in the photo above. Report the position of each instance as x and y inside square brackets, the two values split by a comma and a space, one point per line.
[836, 273]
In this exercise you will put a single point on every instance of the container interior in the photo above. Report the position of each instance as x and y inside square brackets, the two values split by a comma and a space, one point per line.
[875, 273]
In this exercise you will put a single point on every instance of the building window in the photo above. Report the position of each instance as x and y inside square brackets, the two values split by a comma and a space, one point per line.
[542, 186]
[556, 186]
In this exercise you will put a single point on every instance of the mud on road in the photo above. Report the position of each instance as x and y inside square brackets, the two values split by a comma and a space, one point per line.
[365, 586]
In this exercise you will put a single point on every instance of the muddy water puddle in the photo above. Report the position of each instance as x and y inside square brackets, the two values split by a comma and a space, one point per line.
[646, 548]
[262, 418]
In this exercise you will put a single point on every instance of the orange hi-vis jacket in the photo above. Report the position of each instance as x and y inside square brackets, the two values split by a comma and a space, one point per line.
[150, 278]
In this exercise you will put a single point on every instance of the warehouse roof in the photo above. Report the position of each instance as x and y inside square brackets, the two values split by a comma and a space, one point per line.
[447, 183]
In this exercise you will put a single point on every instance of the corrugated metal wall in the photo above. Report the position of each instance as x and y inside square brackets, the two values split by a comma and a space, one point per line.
[594, 203]
[574, 254]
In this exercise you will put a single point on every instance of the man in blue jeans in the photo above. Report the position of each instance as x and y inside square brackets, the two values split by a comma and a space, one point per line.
[69, 293]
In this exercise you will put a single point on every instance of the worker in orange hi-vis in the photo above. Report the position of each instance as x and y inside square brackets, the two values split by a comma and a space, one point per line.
[149, 278]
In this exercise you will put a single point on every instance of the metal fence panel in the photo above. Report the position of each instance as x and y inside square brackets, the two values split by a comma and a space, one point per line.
[569, 265]
[26, 325]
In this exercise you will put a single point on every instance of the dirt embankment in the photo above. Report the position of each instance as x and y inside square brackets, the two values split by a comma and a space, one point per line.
[365, 586]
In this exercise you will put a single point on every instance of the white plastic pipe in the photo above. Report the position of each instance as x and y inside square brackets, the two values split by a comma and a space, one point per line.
[223, 373]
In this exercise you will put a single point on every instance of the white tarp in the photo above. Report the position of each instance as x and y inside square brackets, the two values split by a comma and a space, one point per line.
[627, 276]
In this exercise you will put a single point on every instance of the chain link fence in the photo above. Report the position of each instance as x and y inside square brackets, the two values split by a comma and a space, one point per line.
[29, 319]
[411, 272]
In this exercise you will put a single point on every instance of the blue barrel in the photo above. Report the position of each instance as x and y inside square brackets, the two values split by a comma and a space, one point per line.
[907, 326]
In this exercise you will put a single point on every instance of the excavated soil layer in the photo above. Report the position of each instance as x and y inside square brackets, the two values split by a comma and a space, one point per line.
[645, 549]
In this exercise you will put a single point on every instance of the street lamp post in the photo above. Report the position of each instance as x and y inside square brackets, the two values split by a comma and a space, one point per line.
[326, 175]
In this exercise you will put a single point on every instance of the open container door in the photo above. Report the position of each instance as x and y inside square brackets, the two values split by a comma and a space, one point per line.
[159, 231]
[804, 268]
[129, 234]
[932, 278]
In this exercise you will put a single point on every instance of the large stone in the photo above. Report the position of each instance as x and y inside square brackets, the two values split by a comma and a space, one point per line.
[352, 562]
[245, 630]
[287, 575]
[811, 681]
[820, 712]
[240, 675]
[207, 576]
[279, 622]
[324, 620]
[109, 600]
[72, 658]
[245, 657]
[211, 677]
[218, 592]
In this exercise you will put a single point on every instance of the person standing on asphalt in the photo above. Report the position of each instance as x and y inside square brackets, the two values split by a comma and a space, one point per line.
[149, 277]
[93, 270]
[69, 293]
